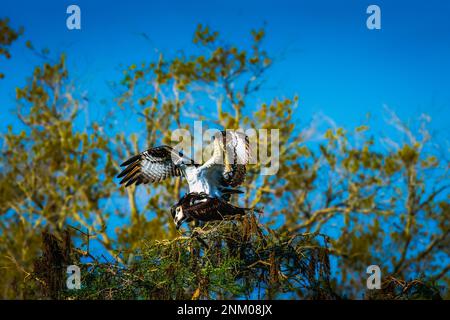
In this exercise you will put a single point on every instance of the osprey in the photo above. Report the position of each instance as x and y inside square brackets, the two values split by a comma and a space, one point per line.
[210, 184]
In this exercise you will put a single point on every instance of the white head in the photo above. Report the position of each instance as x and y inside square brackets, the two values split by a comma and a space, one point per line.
[179, 216]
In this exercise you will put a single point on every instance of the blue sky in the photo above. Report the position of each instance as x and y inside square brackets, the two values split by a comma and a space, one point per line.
[323, 49]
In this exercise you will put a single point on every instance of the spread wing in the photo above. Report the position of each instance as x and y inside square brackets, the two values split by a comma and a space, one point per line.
[236, 148]
[152, 165]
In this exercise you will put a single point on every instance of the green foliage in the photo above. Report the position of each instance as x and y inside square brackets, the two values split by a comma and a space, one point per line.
[7, 36]
[229, 259]
[53, 177]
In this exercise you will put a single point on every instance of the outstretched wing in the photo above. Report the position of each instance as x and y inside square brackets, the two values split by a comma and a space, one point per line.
[152, 165]
[236, 148]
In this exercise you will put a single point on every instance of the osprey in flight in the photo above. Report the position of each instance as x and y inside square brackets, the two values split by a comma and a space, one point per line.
[210, 184]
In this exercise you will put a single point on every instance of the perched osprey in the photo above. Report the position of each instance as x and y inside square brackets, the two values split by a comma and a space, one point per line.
[210, 184]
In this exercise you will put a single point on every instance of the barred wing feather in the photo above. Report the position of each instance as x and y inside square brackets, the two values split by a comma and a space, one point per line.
[237, 155]
[152, 165]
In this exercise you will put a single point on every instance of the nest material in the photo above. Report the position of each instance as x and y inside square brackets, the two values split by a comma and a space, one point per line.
[199, 206]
